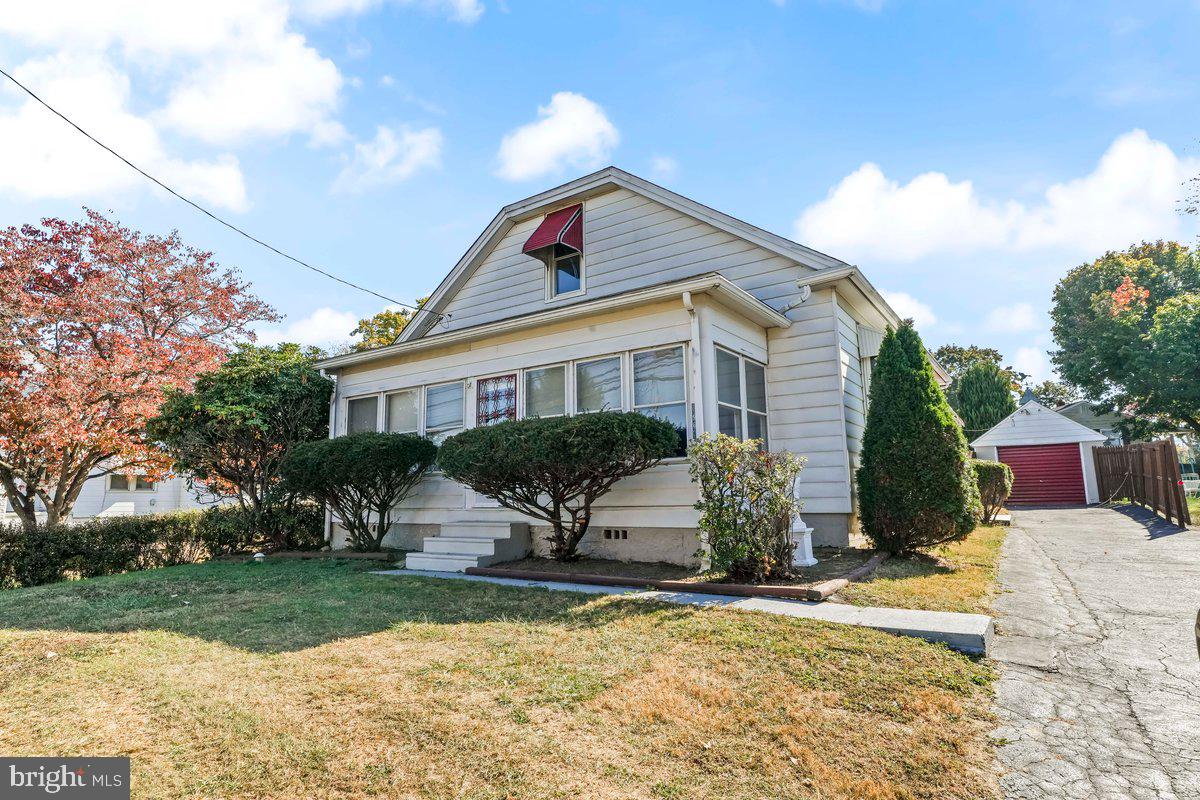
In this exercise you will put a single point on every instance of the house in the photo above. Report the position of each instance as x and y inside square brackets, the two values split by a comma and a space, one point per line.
[1089, 416]
[116, 495]
[612, 292]
[1050, 455]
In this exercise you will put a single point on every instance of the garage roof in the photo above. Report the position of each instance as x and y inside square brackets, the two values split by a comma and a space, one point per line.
[1033, 423]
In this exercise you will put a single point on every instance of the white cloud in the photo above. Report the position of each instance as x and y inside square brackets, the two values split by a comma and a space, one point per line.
[322, 327]
[663, 167]
[392, 156]
[44, 157]
[1130, 195]
[909, 307]
[572, 131]
[1034, 362]
[465, 11]
[1017, 318]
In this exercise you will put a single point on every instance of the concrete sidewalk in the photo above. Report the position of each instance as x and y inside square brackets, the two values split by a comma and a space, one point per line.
[969, 633]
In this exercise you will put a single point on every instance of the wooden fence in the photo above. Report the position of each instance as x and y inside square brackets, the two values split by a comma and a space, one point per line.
[1147, 474]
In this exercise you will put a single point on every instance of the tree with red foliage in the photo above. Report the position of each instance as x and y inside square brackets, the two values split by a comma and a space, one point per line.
[97, 323]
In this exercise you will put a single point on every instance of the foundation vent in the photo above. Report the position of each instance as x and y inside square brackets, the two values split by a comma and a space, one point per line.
[616, 533]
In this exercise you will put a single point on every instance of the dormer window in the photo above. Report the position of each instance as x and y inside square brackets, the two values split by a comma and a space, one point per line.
[558, 243]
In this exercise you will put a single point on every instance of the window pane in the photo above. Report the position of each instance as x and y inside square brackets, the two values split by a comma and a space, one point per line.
[118, 483]
[363, 414]
[567, 274]
[444, 407]
[756, 387]
[658, 376]
[546, 392]
[757, 427]
[676, 414]
[402, 412]
[729, 421]
[145, 484]
[598, 385]
[729, 383]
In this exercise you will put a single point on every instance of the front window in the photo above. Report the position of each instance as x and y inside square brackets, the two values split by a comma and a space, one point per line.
[660, 389]
[443, 410]
[362, 414]
[598, 385]
[566, 271]
[546, 391]
[403, 414]
[741, 397]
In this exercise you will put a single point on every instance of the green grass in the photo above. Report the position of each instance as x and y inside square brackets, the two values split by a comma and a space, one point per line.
[1194, 509]
[318, 679]
[955, 577]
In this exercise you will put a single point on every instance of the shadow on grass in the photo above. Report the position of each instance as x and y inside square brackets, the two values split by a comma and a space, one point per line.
[293, 605]
[917, 565]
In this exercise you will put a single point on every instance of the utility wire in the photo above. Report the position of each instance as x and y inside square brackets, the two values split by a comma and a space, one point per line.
[204, 210]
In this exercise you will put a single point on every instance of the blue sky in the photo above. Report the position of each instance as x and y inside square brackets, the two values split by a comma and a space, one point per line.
[964, 155]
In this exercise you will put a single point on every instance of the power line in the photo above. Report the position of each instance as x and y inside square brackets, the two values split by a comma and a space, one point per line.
[204, 210]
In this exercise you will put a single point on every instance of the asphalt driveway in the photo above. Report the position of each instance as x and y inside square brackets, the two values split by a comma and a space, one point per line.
[1099, 695]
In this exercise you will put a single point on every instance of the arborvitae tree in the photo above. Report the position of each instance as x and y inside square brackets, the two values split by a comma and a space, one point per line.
[916, 487]
[982, 397]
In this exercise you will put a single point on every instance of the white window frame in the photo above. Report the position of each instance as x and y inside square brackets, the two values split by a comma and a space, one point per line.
[425, 407]
[379, 403]
[568, 395]
[626, 389]
[689, 434]
[745, 409]
[552, 261]
[132, 486]
[385, 426]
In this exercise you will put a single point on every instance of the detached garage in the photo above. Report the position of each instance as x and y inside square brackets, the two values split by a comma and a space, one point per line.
[1050, 456]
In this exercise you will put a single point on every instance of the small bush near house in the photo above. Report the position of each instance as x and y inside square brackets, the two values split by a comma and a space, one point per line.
[916, 488]
[747, 503]
[360, 475]
[291, 526]
[995, 481]
[555, 468]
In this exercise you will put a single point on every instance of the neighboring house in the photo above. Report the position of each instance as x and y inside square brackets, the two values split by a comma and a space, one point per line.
[117, 495]
[1050, 455]
[612, 292]
[1087, 415]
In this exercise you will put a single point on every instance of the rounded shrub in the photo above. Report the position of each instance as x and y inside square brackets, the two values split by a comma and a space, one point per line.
[360, 475]
[916, 488]
[995, 480]
[554, 468]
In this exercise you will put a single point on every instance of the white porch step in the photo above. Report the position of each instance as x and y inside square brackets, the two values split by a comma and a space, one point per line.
[471, 543]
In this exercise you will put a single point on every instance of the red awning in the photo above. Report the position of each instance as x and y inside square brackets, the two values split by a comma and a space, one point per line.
[564, 226]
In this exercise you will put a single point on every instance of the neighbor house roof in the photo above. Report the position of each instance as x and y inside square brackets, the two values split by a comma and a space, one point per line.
[1034, 423]
[576, 191]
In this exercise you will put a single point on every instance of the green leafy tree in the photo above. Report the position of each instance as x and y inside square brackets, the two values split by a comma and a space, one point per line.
[1127, 327]
[995, 480]
[916, 487]
[1054, 394]
[555, 468]
[982, 396]
[234, 427]
[384, 328]
[957, 358]
[362, 477]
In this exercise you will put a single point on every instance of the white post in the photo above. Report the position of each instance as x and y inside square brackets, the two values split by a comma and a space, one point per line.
[802, 553]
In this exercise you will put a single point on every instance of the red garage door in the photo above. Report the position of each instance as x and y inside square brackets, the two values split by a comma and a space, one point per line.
[1045, 473]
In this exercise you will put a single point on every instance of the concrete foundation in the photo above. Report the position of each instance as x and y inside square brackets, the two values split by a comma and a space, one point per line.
[402, 535]
[664, 545]
[829, 530]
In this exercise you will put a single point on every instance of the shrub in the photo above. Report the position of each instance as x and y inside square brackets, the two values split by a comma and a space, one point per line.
[747, 502]
[232, 529]
[555, 468]
[995, 481]
[915, 485]
[360, 475]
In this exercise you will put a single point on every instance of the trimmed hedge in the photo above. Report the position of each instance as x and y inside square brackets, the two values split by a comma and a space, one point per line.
[995, 481]
[110, 545]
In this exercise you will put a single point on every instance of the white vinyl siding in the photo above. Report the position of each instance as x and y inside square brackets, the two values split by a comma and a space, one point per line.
[853, 385]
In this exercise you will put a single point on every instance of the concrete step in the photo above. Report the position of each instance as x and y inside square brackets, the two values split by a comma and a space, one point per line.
[460, 545]
[470, 529]
[440, 562]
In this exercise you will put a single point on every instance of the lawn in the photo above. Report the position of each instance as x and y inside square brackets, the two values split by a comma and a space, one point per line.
[955, 577]
[1194, 509]
[319, 680]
